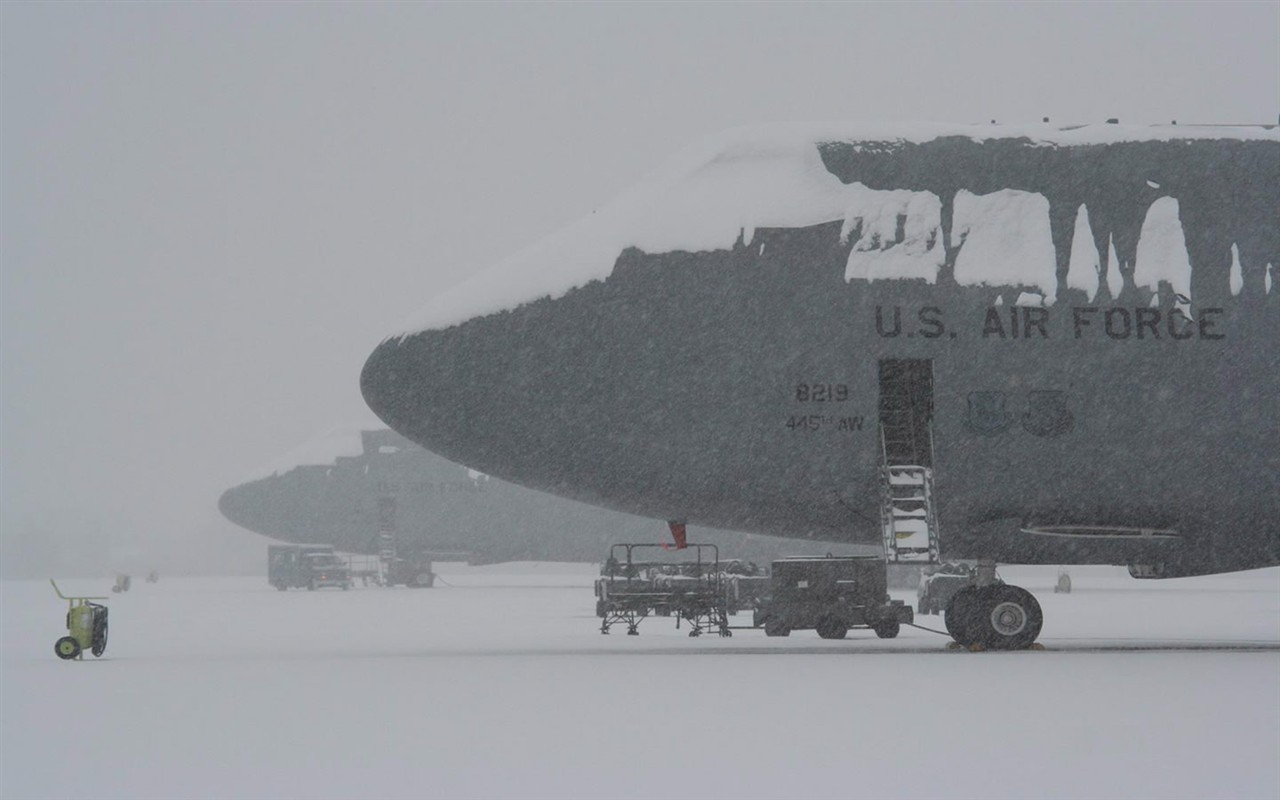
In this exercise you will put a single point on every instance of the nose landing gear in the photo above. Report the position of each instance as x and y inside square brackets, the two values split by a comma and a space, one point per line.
[994, 617]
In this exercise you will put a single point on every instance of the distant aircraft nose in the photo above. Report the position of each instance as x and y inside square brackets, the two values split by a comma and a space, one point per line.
[258, 506]
[235, 504]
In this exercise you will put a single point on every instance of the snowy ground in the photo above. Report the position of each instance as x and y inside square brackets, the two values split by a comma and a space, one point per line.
[500, 685]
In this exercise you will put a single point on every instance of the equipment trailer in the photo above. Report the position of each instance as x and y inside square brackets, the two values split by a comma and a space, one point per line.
[630, 590]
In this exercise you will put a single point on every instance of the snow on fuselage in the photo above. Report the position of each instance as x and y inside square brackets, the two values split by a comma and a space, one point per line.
[1094, 302]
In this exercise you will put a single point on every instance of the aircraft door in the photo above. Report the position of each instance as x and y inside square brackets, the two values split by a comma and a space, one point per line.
[906, 411]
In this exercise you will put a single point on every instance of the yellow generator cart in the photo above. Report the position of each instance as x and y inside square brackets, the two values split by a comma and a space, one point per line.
[86, 624]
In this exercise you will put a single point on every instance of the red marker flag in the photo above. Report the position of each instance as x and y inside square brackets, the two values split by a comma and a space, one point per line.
[678, 533]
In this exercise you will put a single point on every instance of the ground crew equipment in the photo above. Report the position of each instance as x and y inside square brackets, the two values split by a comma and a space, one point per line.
[87, 625]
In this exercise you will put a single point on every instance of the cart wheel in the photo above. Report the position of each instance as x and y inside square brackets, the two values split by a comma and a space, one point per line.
[776, 628]
[832, 628]
[66, 648]
[886, 630]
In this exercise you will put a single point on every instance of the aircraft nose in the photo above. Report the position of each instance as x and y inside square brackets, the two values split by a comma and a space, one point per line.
[441, 389]
[250, 506]
[496, 393]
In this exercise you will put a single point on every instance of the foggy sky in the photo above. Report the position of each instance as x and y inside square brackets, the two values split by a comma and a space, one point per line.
[210, 214]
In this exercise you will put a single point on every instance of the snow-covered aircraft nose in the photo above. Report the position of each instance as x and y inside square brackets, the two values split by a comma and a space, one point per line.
[457, 391]
[553, 397]
[645, 357]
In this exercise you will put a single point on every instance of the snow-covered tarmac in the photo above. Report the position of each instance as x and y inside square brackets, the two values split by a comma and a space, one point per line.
[501, 685]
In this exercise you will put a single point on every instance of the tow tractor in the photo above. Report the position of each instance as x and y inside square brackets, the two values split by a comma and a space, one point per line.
[830, 594]
[87, 625]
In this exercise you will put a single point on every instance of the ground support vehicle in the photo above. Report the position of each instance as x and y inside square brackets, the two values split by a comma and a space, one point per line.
[328, 570]
[86, 624]
[412, 572]
[631, 588]
[830, 595]
[306, 566]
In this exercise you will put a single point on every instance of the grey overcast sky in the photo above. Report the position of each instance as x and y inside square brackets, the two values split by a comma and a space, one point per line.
[211, 213]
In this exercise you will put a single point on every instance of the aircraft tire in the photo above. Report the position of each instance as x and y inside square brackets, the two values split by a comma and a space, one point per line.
[961, 614]
[1010, 618]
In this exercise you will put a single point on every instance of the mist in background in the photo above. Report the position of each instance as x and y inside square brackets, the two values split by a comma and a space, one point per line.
[211, 213]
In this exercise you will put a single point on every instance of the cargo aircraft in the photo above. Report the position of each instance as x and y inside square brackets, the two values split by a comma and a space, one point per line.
[1050, 344]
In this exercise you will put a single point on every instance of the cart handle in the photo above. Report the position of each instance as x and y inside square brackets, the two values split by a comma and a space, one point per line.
[64, 597]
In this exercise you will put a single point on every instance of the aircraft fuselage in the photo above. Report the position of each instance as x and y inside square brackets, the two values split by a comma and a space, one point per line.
[1128, 416]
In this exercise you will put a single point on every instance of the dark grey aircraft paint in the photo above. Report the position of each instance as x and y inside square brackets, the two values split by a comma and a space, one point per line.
[433, 505]
[738, 387]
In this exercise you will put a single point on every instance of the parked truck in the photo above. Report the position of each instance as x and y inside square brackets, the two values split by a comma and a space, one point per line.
[306, 566]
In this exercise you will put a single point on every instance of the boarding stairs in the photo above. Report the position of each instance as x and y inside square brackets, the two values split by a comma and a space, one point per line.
[386, 555]
[907, 510]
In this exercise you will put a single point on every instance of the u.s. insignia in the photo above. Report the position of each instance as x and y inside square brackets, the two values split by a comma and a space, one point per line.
[1047, 414]
[986, 413]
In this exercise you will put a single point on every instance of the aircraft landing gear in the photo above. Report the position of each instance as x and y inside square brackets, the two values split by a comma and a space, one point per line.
[994, 617]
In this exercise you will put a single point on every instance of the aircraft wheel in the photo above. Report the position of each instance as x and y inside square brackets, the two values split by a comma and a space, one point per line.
[962, 614]
[1010, 618]
[776, 627]
[66, 648]
[831, 628]
[887, 630]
